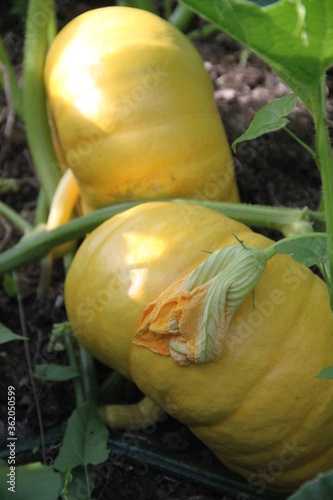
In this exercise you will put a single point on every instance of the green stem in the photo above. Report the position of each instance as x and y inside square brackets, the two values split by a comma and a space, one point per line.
[297, 139]
[37, 244]
[321, 205]
[16, 92]
[203, 33]
[181, 17]
[46, 264]
[88, 375]
[23, 225]
[87, 371]
[324, 161]
[244, 57]
[87, 481]
[31, 370]
[45, 273]
[79, 393]
[270, 251]
[52, 27]
[41, 212]
[37, 127]
[277, 218]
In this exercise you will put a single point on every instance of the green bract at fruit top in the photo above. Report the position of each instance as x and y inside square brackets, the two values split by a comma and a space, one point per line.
[133, 111]
[255, 399]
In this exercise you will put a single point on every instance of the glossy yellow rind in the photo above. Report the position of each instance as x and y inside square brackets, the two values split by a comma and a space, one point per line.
[259, 407]
[134, 111]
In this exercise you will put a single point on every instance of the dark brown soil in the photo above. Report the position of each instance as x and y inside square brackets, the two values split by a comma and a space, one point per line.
[272, 170]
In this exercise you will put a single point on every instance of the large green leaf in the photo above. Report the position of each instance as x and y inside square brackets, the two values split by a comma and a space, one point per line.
[85, 439]
[319, 489]
[294, 37]
[27, 482]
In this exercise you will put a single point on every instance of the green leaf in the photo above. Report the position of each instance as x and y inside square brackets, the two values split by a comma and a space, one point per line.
[295, 38]
[269, 118]
[326, 373]
[10, 285]
[85, 439]
[319, 489]
[31, 481]
[308, 249]
[7, 335]
[54, 372]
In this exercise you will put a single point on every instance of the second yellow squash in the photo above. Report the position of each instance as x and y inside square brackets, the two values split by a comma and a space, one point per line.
[133, 111]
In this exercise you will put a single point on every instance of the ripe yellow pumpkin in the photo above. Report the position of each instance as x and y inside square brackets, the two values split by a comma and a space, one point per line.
[259, 407]
[133, 111]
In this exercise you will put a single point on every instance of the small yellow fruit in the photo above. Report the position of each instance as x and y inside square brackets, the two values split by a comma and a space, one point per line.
[133, 110]
[260, 406]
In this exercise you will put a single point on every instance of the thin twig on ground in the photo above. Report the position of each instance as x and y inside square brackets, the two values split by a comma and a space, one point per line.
[30, 371]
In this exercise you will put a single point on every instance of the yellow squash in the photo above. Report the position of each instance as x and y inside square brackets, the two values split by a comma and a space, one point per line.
[133, 111]
[260, 406]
